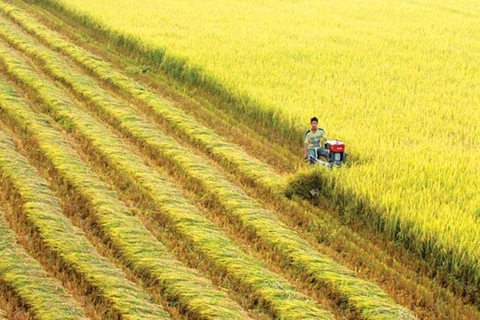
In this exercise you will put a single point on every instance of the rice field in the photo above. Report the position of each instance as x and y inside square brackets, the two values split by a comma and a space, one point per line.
[398, 81]
[126, 195]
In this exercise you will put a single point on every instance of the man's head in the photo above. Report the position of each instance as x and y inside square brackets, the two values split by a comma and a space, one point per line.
[314, 123]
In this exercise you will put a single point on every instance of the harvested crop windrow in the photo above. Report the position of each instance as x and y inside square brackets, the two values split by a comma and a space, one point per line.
[256, 281]
[227, 153]
[147, 256]
[110, 290]
[44, 296]
[209, 111]
[364, 297]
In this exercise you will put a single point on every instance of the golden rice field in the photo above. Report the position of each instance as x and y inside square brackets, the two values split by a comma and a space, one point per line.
[130, 191]
[399, 81]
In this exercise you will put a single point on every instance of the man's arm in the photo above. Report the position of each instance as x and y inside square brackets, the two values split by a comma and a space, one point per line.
[305, 146]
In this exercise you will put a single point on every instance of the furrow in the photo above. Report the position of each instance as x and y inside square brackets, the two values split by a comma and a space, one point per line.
[229, 154]
[11, 306]
[276, 293]
[365, 297]
[66, 243]
[407, 278]
[44, 296]
[139, 249]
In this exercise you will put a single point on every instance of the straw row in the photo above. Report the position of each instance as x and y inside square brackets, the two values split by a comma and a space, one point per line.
[138, 248]
[279, 296]
[66, 243]
[25, 276]
[229, 154]
[365, 297]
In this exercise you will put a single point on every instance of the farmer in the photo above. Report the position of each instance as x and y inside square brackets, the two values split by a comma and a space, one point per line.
[314, 142]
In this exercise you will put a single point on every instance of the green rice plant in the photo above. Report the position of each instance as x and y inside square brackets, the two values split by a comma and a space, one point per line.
[67, 244]
[44, 296]
[227, 153]
[139, 249]
[252, 277]
[366, 298]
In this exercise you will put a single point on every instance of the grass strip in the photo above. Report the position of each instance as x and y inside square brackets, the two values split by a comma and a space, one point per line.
[227, 153]
[66, 243]
[44, 296]
[255, 280]
[369, 300]
[139, 249]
